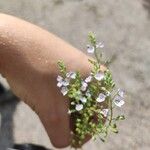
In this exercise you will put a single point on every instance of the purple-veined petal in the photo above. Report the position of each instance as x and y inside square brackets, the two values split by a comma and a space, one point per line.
[99, 76]
[59, 84]
[66, 82]
[90, 49]
[119, 101]
[64, 90]
[84, 86]
[121, 92]
[101, 98]
[59, 78]
[88, 79]
[71, 75]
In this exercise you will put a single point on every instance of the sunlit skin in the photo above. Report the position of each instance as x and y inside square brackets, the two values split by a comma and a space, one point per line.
[28, 60]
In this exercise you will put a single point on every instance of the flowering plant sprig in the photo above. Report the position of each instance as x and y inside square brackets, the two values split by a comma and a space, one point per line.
[92, 99]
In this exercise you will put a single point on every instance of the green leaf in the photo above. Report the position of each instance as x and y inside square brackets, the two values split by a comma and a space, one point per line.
[62, 67]
[102, 139]
[121, 117]
[113, 128]
[92, 38]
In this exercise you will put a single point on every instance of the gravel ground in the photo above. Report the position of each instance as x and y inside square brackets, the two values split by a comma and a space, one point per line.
[124, 27]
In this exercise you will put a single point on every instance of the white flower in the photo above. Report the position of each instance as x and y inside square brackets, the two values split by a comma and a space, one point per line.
[72, 103]
[71, 75]
[59, 78]
[108, 93]
[118, 100]
[90, 49]
[100, 45]
[101, 97]
[88, 79]
[99, 76]
[62, 82]
[83, 99]
[69, 111]
[104, 112]
[88, 93]
[59, 84]
[79, 107]
[121, 92]
[65, 82]
[64, 90]
[84, 86]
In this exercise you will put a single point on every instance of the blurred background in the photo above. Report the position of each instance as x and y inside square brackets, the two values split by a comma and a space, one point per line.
[124, 27]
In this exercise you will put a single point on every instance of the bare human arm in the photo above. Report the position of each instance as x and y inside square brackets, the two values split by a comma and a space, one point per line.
[28, 59]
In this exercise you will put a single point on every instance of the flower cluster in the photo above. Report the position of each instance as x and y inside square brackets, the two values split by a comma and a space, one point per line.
[92, 99]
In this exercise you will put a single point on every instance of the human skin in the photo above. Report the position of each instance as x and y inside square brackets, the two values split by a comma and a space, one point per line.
[28, 60]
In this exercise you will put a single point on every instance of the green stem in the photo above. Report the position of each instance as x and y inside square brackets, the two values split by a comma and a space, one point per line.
[96, 55]
[111, 109]
[111, 112]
